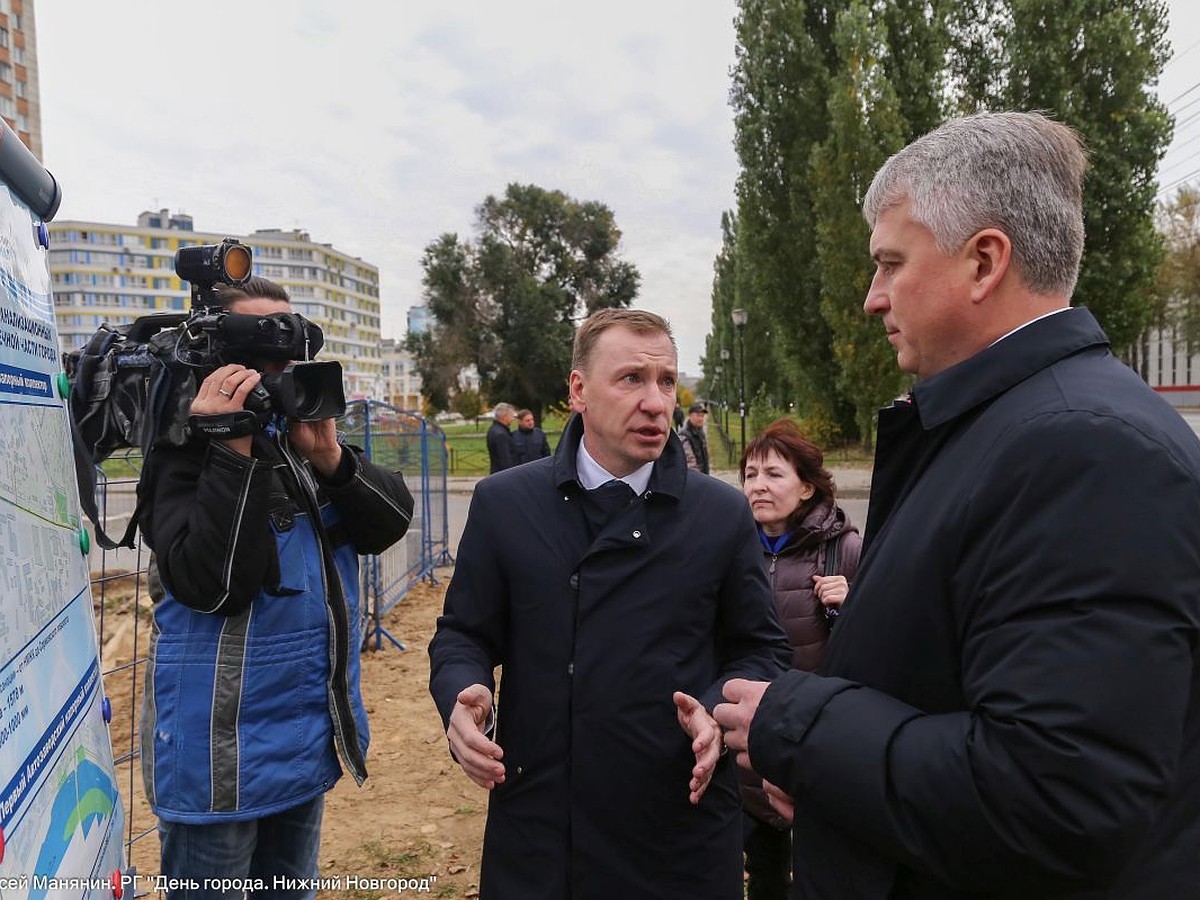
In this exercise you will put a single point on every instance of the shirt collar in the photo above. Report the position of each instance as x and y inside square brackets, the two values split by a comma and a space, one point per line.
[1037, 344]
[591, 474]
[1053, 312]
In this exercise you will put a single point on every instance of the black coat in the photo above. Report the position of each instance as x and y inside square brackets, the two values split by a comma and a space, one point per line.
[1010, 703]
[529, 445]
[593, 636]
[499, 445]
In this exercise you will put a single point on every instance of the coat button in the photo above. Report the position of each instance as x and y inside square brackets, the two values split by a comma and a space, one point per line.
[574, 581]
[571, 669]
[637, 534]
[520, 770]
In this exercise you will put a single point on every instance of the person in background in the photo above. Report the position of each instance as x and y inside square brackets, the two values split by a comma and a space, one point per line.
[810, 553]
[695, 440]
[677, 416]
[528, 441]
[499, 439]
[616, 595]
[1009, 705]
[252, 705]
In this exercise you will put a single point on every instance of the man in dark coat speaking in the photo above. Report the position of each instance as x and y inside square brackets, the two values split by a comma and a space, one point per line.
[1010, 703]
[617, 592]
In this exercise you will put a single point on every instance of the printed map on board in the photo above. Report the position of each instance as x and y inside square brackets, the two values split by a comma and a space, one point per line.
[61, 819]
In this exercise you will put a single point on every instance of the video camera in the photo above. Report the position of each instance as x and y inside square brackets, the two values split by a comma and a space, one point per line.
[133, 386]
[212, 336]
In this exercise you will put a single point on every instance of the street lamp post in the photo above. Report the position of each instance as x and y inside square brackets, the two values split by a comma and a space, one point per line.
[718, 383]
[724, 393]
[739, 322]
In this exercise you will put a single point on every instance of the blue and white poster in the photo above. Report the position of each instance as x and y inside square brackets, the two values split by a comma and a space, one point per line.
[61, 818]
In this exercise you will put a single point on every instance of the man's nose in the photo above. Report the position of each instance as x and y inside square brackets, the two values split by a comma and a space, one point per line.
[876, 302]
[652, 398]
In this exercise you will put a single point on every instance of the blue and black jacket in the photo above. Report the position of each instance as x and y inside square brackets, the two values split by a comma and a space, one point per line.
[252, 687]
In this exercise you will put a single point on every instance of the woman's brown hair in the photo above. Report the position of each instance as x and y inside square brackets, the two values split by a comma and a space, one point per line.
[785, 438]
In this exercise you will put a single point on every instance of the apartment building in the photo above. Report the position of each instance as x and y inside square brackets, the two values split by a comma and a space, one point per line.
[103, 272]
[401, 383]
[19, 104]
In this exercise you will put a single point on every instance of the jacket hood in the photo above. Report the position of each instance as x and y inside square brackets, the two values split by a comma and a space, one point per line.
[822, 522]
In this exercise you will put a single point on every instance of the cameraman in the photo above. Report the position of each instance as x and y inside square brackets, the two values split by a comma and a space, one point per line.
[252, 687]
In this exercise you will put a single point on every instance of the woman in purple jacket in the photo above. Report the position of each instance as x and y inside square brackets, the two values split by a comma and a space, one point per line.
[810, 552]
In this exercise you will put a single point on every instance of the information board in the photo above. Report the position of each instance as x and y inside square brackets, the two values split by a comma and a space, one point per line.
[61, 818]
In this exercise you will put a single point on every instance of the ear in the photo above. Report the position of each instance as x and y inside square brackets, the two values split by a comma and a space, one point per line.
[806, 491]
[575, 391]
[989, 253]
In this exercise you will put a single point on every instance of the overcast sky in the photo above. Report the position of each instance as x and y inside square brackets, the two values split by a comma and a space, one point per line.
[377, 127]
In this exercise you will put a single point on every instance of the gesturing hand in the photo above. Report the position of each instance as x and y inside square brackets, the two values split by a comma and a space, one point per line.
[478, 755]
[706, 741]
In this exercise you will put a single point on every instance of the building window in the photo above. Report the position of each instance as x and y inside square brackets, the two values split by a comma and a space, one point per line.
[3, 37]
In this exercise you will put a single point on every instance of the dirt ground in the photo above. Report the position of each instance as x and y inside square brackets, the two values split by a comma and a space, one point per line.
[417, 815]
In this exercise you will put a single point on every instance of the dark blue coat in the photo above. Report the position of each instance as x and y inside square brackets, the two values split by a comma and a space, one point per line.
[1010, 703]
[529, 445]
[500, 449]
[593, 637]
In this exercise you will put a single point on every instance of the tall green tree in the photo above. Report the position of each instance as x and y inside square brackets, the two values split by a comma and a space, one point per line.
[719, 372]
[779, 97]
[1094, 65]
[912, 50]
[813, 119]
[865, 128]
[439, 353]
[508, 302]
[976, 66]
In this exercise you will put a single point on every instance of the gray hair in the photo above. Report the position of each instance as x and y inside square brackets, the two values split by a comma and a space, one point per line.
[1021, 173]
[503, 409]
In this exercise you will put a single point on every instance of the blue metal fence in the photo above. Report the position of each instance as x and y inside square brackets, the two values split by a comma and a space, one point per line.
[409, 443]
